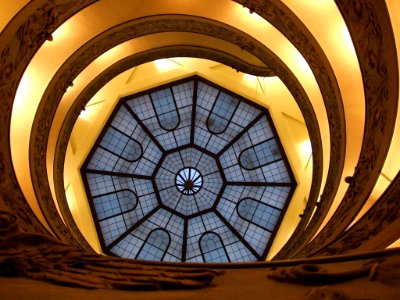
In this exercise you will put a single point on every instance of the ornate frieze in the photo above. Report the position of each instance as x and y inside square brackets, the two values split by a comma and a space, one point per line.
[19, 41]
[370, 28]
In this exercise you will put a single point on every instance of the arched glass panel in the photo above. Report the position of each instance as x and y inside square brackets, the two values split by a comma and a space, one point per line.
[114, 204]
[260, 155]
[166, 110]
[258, 213]
[212, 248]
[222, 112]
[155, 246]
[122, 145]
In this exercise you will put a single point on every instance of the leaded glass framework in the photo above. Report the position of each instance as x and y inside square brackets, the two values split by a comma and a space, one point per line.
[188, 172]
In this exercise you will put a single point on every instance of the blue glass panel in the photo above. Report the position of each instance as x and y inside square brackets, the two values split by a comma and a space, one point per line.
[222, 112]
[212, 248]
[155, 246]
[166, 110]
[258, 213]
[260, 155]
[116, 203]
[121, 145]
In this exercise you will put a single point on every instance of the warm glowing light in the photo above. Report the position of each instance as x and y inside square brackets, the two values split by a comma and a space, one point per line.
[164, 65]
[343, 44]
[250, 79]
[24, 104]
[62, 32]
[302, 63]
[70, 195]
[25, 87]
[248, 15]
[305, 151]
[317, 4]
[85, 113]
[112, 55]
[395, 244]
[346, 37]
[90, 111]
[254, 17]
[305, 148]
[256, 83]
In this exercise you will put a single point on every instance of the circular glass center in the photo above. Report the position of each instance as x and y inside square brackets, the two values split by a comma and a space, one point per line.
[188, 181]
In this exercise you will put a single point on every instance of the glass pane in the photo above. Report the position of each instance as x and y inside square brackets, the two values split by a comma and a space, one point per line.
[212, 248]
[155, 246]
[260, 155]
[222, 113]
[113, 204]
[258, 213]
[166, 110]
[121, 145]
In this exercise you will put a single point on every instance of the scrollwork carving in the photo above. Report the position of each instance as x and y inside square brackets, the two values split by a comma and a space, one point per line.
[384, 270]
[375, 46]
[372, 225]
[312, 274]
[19, 42]
[327, 293]
[41, 257]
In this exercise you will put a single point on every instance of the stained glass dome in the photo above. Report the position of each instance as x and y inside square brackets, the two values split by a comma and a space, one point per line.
[188, 172]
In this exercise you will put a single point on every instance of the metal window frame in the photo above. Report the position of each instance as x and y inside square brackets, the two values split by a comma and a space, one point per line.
[216, 156]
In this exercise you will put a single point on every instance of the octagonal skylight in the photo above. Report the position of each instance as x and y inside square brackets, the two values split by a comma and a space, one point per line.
[188, 172]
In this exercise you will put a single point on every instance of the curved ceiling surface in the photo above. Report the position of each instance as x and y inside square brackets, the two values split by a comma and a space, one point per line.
[330, 86]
